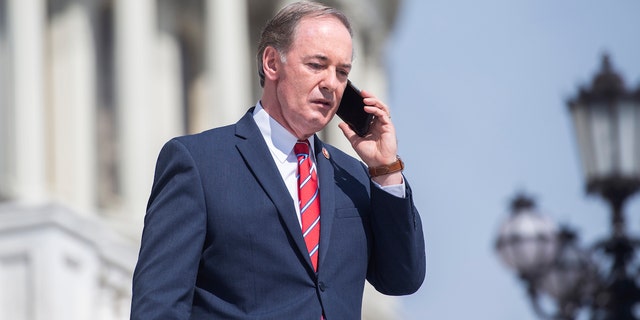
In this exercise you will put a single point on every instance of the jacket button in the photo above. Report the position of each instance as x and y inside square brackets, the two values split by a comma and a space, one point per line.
[321, 286]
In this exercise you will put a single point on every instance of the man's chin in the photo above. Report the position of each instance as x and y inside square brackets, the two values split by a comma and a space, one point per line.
[317, 126]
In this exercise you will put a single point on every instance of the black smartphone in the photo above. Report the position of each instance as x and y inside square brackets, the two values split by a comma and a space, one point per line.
[351, 110]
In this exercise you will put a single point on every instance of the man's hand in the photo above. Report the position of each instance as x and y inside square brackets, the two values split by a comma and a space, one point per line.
[380, 146]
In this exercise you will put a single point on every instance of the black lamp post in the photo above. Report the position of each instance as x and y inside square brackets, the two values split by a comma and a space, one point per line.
[606, 119]
[601, 280]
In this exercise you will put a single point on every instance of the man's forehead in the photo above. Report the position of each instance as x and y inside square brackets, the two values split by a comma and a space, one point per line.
[311, 31]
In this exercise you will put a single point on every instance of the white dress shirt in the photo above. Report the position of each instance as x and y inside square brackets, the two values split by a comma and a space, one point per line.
[281, 142]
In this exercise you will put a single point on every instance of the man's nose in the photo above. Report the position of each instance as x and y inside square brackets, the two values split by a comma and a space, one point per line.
[330, 81]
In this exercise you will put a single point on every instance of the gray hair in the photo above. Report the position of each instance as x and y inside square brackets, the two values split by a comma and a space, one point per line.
[280, 30]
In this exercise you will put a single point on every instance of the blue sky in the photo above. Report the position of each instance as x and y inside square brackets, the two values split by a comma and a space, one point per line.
[478, 91]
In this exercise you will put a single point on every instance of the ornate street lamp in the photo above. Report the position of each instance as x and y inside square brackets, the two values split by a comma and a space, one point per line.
[606, 119]
[602, 279]
[527, 241]
[546, 258]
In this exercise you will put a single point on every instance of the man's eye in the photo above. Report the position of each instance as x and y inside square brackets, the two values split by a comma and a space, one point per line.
[315, 65]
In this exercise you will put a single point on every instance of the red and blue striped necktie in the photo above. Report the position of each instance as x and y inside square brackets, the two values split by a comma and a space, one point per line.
[308, 200]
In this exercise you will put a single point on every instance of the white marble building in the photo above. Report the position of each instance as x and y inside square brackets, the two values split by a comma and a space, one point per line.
[89, 92]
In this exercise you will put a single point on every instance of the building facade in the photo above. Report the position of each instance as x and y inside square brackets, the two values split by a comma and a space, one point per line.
[89, 92]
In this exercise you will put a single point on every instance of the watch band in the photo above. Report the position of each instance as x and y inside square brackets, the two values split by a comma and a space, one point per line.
[396, 166]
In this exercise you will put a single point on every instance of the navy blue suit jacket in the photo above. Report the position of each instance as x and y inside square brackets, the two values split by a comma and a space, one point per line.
[221, 238]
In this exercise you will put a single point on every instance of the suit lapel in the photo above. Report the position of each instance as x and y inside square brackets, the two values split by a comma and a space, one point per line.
[327, 197]
[254, 151]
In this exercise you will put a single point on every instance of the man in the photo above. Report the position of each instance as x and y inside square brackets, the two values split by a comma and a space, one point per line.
[230, 231]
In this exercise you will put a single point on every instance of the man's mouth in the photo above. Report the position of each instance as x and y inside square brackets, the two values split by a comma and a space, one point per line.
[324, 102]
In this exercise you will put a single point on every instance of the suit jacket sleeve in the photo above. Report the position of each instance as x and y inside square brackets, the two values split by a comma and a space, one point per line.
[174, 231]
[398, 263]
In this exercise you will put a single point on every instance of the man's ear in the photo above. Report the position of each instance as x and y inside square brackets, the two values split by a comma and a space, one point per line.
[271, 63]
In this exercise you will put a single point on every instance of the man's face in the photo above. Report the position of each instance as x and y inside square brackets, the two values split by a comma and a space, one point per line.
[313, 76]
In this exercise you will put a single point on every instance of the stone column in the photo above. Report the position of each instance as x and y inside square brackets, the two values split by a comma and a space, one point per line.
[134, 29]
[6, 104]
[72, 112]
[25, 24]
[168, 110]
[228, 59]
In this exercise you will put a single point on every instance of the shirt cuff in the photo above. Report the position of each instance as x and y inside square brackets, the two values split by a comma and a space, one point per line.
[398, 190]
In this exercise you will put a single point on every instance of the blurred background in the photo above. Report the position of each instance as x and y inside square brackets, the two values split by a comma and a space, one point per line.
[479, 93]
[91, 89]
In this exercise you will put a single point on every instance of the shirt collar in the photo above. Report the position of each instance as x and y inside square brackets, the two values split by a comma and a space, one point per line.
[279, 140]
